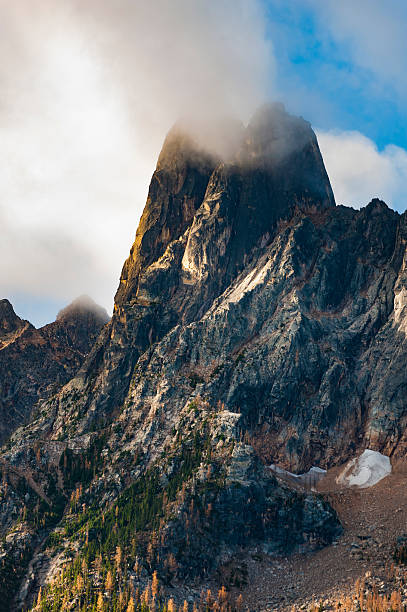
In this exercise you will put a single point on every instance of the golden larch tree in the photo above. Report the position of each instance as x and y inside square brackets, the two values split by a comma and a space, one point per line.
[154, 585]
[109, 582]
[100, 605]
[171, 607]
[130, 606]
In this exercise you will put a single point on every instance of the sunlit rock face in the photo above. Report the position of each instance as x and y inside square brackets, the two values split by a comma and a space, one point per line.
[34, 363]
[205, 220]
[246, 279]
[281, 305]
[256, 315]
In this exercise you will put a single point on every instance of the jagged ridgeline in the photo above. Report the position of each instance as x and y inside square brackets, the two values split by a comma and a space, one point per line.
[35, 363]
[255, 323]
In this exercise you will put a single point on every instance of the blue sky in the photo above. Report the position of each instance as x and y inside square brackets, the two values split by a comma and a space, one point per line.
[315, 51]
[89, 89]
[342, 66]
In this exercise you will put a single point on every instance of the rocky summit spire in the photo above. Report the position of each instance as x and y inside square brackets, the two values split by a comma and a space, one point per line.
[276, 167]
[287, 147]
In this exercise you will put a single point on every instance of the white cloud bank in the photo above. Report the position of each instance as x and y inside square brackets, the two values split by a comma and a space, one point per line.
[88, 92]
[359, 171]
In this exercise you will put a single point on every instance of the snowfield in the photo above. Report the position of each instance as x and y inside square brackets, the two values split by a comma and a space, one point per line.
[308, 479]
[365, 471]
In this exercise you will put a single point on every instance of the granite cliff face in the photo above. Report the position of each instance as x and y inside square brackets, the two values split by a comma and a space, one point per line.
[247, 286]
[256, 322]
[204, 223]
[35, 363]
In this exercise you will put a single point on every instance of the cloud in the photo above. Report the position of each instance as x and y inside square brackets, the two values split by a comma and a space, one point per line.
[89, 90]
[62, 261]
[359, 171]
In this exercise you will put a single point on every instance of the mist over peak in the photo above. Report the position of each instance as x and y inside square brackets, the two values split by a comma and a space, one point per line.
[90, 90]
[83, 306]
[270, 137]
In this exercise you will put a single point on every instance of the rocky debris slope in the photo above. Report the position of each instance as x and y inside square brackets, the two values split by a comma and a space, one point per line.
[363, 559]
[255, 323]
[35, 363]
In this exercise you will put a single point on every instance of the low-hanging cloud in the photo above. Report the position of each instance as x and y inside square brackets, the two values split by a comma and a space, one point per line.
[89, 90]
[359, 171]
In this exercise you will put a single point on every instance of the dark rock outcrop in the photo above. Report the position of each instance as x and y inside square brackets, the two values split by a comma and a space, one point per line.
[10, 324]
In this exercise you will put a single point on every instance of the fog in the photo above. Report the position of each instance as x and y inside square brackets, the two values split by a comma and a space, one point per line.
[89, 90]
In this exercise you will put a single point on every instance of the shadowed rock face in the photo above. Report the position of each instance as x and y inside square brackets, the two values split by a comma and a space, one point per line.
[34, 363]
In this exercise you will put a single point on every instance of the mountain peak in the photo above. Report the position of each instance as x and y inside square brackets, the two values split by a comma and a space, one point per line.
[9, 321]
[275, 167]
[35, 362]
[6, 309]
[377, 204]
[83, 306]
[274, 120]
[274, 134]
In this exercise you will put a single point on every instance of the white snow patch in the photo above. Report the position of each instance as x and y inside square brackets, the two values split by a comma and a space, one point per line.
[366, 470]
[309, 479]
